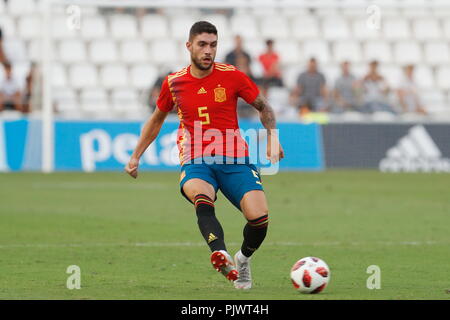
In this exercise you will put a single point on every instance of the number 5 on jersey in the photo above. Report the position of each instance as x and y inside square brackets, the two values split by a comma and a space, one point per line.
[203, 114]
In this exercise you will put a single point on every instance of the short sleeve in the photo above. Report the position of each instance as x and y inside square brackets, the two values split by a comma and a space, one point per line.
[247, 89]
[165, 100]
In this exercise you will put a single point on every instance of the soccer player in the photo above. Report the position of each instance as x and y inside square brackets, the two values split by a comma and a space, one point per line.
[205, 95]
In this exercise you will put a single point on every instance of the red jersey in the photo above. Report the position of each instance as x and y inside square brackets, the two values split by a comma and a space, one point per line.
[207, 110]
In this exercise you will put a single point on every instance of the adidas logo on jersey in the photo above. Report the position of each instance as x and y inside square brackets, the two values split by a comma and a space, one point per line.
[415, 152]
[201, 91]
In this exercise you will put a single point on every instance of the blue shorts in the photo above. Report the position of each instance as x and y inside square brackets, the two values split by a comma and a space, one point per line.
[234, 180]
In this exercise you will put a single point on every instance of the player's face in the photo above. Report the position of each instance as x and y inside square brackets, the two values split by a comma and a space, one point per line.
[203, 49]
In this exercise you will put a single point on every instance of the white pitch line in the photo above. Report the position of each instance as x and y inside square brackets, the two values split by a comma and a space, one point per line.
[200, 244]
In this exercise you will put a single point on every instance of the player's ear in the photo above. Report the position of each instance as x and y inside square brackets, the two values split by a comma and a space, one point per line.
[188, 45]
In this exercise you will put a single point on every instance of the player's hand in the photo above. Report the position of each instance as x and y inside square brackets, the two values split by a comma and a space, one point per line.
[132, 167]
[275, 151]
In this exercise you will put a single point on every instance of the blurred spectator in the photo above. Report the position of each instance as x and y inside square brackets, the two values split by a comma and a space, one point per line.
[2, 53]
[310, 93]
[237, 52]
[156, 88]
[10, 94]
[407, 92]
[345, 91]
[32, 89]
[270, 62]
[375, 91]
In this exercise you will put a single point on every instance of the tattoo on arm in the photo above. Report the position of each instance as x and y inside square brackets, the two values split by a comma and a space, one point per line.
[266, 113]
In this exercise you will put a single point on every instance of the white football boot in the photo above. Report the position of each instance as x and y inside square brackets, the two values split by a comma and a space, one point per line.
[244, 280]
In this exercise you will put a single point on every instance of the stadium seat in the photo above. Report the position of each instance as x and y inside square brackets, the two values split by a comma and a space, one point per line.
[180, 26]
[65, 100]
[59, 77]
[364, 32]
[154, 26]
[143, 76]
[427, 29]
[20, 72]
[290, 75]
[305, 27]
[164, 51]
[133, 51]
[396, 29]
[274, 27]
[221, 23]
[94, 100]
[331, 73]
[443, 77]
[29, 27]
[288, 51]
[392, 74]
[15, 50]
[407, 52]
[22, 7]
[437, 53]
[424, 78]
[335, 28]
[8, 26]
[83, 76]
[255, 47]
[71, 51]
[103, 51]
[244, 25]
[114, 76]
[2, 7]
[318, 49]
[377, 50]
[59, 28]
[346, 51]
[434, 100]
[123, 26]
[125, 100]
[446, 27]
[94, 27]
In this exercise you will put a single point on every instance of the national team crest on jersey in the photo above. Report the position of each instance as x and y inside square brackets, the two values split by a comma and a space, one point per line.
[220, 94]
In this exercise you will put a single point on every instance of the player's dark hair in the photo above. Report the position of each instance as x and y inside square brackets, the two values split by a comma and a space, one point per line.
[202, 27]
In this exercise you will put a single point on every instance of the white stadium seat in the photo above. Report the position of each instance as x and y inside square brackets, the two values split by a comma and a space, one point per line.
[244, 25]
[114, 76]
[377, 50]
[424, 77]
[288, 51]
[364, 30]
[446, 26]
[335, 28]
[94, 100]
[125, 100]
[103, 51]
[143, 76]
[392, 74]
[255, 47]
[15, 50]
[347, 51]
[21, 7]
[407, 52]
[221, 23]
[443, 77]
[60, 29]
[180, 26]
[164, 51]
[8, 26]
[274, 27]
[65, 100]
[396, 29]
[427, 29]
[437, 53]
[2, 7]
[318, 49]
[83, 76]
[154, 26]
[72, 51]
[59, 77]
[305, 27]
[29, 27]
[93, 27]
[133, 51]
[123, 26]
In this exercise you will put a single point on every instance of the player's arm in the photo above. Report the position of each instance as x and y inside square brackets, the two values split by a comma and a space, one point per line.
[267, 116]
[149, 133]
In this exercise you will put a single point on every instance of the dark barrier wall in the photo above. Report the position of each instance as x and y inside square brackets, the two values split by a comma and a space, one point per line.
[389, 147]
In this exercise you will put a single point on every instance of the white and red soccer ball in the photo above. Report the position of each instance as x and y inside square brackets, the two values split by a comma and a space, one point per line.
[310, 275]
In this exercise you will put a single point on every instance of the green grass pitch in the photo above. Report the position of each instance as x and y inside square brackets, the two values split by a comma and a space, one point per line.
[138, 239]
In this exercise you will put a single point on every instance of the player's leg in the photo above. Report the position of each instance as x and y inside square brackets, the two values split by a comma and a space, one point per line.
[202, 194]
[255, 210]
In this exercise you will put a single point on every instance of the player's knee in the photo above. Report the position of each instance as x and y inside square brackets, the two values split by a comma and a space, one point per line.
[260, 222]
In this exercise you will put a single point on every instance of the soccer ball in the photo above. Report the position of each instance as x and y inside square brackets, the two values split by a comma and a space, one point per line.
[310, 275]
